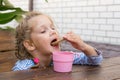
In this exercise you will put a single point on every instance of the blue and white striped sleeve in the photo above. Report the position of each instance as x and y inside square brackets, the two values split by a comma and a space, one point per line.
[23, 65]
[81, 58]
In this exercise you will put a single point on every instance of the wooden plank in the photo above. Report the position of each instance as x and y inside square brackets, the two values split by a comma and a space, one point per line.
[109, 73]
[109, 70]
[7, 61]
[7, 46]
[7, 40]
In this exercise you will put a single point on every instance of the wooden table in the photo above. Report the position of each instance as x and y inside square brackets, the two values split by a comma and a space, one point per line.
[108, 70]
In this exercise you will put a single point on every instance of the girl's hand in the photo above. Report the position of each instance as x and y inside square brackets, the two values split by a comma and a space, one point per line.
[75, 40]
[79, 44]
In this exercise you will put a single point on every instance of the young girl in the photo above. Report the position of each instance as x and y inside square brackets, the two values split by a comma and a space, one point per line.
[34, 36]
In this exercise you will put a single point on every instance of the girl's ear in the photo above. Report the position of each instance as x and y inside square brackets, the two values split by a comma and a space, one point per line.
[29, 45]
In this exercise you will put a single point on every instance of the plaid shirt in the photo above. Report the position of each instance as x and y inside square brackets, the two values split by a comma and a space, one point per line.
[79, 58]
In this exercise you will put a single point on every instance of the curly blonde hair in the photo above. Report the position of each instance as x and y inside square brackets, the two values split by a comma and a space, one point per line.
[23, 31]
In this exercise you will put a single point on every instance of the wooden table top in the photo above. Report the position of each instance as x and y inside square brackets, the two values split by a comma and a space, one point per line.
[108, 70]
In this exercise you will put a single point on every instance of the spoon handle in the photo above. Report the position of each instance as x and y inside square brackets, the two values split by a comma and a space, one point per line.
[58, 41]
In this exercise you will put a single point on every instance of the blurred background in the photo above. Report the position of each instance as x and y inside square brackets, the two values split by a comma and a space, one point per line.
[93, 20]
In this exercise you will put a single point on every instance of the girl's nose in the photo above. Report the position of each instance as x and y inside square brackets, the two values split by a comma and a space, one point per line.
[52, 32]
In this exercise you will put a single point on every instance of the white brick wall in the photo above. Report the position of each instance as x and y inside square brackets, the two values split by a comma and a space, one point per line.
[93, 20]
[19, 3]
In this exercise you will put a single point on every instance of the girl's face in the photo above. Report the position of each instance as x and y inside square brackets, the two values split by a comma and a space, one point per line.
[43, 34]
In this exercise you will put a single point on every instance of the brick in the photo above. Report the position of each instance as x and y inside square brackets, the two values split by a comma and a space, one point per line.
[87, 32]
[87, 9]
[117, 14]
[81, 15]
[85, 37]
[100, 8]
[99, 39]
[113, 34]
[66, 10]
[117, 28]
[76, 9]
[85, 20]
[116, 1]
[106, 14]
[113, 40]
[81, 3]
[93, 38]
[76, 20]
[67, 20]
[106, 39]
[71, 26]
[113, 21]
[93, 26]
[114, 8]
[99, 33]
[93, 2]
[93, 15]
[100, 21]
[71, 3]
[105, 2]
[77, 31]
[82, 26]
[106, 27]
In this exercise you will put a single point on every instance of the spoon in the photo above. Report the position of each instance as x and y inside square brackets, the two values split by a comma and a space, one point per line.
[57, 42]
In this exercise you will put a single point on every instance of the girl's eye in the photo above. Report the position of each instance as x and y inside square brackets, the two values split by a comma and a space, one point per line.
[43, 31]
[53, 28]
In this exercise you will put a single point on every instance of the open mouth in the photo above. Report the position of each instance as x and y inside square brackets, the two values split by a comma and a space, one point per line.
[52, 42]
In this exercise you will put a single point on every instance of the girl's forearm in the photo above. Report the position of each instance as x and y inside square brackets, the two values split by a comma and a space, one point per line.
[89, 50]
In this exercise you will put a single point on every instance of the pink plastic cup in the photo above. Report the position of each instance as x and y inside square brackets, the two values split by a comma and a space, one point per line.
[62, 61]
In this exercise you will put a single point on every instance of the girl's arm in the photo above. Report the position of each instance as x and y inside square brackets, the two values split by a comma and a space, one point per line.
[89, 55]
[81, 58]
[79, 44]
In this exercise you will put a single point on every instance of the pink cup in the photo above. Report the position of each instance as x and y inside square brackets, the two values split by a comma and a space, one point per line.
[62, 61]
